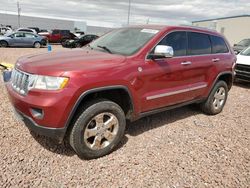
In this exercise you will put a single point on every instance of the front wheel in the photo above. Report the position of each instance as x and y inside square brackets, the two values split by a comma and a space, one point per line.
[3, 44]
[98, 129]
[216, 100]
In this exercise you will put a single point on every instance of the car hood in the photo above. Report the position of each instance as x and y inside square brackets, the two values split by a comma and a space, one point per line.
[57, 63]
[242, 59]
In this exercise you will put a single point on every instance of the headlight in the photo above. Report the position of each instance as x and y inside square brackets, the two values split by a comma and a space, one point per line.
[48, 82]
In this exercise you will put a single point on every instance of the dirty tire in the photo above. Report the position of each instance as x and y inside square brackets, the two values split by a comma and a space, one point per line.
[37, 45]
[80, 139]
[216, 99]
[3, 44]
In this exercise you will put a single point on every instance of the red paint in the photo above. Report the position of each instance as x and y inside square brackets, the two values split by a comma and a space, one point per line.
[89, 69]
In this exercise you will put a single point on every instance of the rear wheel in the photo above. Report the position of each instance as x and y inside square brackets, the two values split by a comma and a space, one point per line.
[98, 129]
[3, 44]
[216, 100]
[37, 45]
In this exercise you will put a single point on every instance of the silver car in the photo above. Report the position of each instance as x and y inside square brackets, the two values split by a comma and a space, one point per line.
[23, 39]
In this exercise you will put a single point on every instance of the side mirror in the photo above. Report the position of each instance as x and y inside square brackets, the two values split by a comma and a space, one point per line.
[162, 51]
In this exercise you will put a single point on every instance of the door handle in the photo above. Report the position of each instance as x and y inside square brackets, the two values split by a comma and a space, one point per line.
[186, 63]
[215, 59]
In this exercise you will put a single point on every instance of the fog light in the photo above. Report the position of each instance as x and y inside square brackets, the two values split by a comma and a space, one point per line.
[37, 113]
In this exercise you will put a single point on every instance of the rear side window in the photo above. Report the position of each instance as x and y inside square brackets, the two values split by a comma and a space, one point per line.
[178, 41]
[198, 44]
[218, 45]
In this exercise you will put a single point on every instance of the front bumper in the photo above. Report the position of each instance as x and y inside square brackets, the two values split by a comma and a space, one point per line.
[55, 107]
[55, 133]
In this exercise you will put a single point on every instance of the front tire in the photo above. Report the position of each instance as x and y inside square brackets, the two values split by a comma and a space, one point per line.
[216, 100]
[3, 44]
[98, 129]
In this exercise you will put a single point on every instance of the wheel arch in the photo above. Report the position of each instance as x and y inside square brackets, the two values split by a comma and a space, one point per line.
[110, 93]
[224, 76]
[5, 41]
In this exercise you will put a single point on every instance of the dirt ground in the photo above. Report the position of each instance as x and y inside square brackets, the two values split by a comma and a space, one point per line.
[174, 149]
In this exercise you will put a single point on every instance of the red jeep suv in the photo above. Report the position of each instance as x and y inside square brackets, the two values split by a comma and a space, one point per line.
[89, 93]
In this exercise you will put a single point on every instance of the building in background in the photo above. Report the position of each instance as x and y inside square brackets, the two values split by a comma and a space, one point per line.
[50, 23]
[235, 28]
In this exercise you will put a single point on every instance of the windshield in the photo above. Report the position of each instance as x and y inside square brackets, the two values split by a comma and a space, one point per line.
[246, 52]
[125, 41]
[245, 42]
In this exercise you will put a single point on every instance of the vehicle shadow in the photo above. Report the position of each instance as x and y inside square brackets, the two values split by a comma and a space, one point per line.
[161, 119]
[242, 84]
[63, 148]
[133, 129]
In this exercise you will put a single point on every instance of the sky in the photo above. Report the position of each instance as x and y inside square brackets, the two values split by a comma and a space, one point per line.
[114, 13]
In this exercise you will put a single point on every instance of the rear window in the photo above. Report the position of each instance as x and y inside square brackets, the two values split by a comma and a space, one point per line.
[218, 45]
[198, 44]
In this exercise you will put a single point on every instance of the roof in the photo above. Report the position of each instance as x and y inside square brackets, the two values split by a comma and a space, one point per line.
[222, 18]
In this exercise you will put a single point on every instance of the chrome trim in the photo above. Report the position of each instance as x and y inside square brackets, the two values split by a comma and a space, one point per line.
[176, 92]
[186, 63]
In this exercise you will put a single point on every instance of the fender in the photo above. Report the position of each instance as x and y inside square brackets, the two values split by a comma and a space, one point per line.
[84, 94]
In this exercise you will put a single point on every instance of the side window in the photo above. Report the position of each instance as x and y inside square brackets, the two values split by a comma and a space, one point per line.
[29, 35]
[218, 45]
[19, 35]
[55, 32]
[198, 44]
[178, 41]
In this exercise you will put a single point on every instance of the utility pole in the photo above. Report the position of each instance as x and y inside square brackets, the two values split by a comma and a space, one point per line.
[18, 13]
[129, 7]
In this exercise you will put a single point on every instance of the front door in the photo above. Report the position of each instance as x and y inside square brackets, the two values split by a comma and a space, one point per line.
[168, 80]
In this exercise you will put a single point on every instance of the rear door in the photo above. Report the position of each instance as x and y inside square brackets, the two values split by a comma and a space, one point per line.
[29, 39]
[200, 51]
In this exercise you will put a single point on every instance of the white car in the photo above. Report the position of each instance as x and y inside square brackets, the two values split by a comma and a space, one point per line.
[5, 30]
[26, 30]
[242, 68]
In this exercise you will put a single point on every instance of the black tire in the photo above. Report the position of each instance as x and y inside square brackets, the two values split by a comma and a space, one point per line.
[37, 45]
[3, 44]
[82, 144]
[209, 106]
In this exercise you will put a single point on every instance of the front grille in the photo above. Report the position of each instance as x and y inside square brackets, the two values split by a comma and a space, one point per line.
[20, 81]
[244, 68]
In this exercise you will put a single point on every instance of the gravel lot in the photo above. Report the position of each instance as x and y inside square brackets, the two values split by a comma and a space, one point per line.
[178, 148]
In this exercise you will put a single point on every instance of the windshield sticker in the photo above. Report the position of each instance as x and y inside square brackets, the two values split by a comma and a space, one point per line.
[149, 31]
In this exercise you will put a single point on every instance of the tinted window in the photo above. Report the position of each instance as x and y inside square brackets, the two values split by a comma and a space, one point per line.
[218, 45]
[178, 41]
[198, 44]
[55, 32]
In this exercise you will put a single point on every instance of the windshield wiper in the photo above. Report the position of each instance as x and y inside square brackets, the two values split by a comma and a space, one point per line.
[105, 48]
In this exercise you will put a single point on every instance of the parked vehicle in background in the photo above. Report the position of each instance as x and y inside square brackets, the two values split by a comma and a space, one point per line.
[26, 30]
[35, 28]
[241, 45]
[242, 68]
[58, 36]
[5, 30]
[79, 33]
[79, 42]
[124, 75]
[23, 39]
